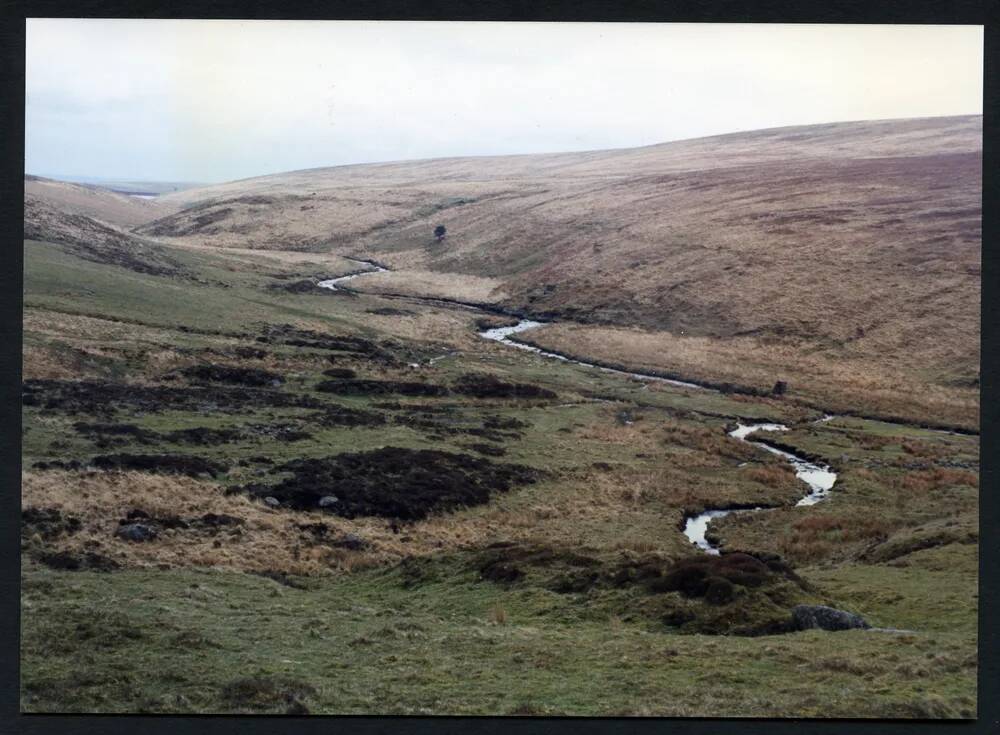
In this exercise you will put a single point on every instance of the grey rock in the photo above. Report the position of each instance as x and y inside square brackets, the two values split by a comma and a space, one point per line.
[137, 532]
[272, 502]
[327, 500]
[806, 617]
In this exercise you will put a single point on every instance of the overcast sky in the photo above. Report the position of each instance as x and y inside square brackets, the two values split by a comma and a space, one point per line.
[218, 100]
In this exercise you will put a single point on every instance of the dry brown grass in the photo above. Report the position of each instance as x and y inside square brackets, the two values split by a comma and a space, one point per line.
[771, 475]
[844, 258]
[461, 287]
[817, 537]
[588, 510]
[886, 383]
[923, 450]
[268, 539]
[937, 478]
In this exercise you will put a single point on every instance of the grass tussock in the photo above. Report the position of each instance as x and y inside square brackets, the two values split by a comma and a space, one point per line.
[937, 478]
[771, 475]
[498, 615]
[256, 693]
[817, 537]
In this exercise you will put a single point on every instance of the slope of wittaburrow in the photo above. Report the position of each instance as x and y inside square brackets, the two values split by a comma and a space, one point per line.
[855, 242]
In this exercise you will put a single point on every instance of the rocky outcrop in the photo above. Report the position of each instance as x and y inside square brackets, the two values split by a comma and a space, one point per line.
[807, 617]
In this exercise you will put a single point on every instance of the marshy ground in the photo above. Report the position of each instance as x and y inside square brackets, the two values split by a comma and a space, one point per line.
[505, 535]
[246, 493]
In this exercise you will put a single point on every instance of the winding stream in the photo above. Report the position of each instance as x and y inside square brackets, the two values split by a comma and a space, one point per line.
[818, 479]
[502, 334]
[331, 283]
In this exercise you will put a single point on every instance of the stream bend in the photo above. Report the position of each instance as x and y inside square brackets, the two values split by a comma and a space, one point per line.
[818, 479]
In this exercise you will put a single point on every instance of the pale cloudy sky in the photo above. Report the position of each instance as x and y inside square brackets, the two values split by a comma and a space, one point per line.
[217, 100]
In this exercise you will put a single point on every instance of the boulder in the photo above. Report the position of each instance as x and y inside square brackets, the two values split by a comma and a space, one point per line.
[137, 532]
[806, 617]
[272, 502]
[328, 500]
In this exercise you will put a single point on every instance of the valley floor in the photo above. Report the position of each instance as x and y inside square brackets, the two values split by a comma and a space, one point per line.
[186, 427]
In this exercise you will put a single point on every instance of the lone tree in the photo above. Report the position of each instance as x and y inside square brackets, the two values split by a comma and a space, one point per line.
[439, 232]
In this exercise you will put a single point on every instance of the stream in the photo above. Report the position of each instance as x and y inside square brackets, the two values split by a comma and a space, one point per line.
[818, 479]
[331, 283]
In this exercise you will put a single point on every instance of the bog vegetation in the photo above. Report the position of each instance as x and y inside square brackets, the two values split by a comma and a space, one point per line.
[230, 473]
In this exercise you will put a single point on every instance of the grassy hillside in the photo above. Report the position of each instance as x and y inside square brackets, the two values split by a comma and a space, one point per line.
[150, 397]
[243, 493]
[853, 244]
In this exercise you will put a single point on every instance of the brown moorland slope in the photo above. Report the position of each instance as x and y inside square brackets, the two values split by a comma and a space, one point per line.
[94, 201]
[856, 242]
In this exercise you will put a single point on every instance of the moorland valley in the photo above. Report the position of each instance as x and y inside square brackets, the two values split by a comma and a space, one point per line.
[601, 433]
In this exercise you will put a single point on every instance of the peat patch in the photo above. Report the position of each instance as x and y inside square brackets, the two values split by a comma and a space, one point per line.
[288, 335]
[103, 398]
[490, 386]
[305, 285]
[340, 373]
[394, 482]
[390, 311]
[171, 464]
[71, 561]
[108, 435]
[506, 424]
[506, 562]
[49, 523]
[488, 449]
[203, 436]
[282, 432]
[343, 416]
[210, 523]
[731, 594]
[380, 387]
[232, 375]
[715, 578]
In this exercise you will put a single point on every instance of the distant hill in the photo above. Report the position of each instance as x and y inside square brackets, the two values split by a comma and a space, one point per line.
[844, 257]
[816, 230]
[93, 201]
[129, 186]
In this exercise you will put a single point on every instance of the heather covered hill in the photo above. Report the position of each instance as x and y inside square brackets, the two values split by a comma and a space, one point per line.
[858, 243]
[793, 230]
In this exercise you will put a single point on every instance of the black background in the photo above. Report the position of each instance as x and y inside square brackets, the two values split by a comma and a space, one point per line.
[732, 11]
